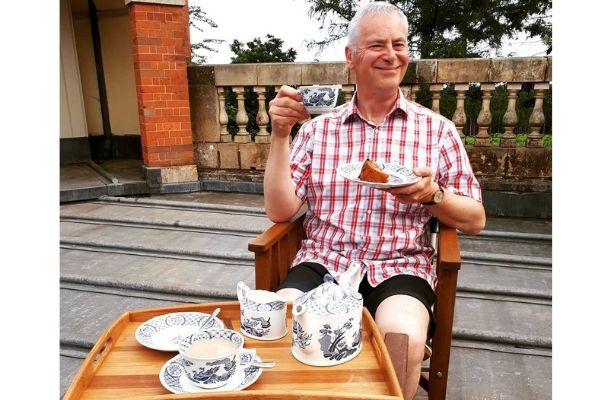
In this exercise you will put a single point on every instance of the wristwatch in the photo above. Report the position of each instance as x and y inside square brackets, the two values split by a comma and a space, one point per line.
[437, 197]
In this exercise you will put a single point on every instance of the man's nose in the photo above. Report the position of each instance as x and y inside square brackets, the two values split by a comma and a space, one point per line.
[389, 51]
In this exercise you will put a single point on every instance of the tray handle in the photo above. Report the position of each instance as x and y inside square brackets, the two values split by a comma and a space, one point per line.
[95, 358]
[393, 377]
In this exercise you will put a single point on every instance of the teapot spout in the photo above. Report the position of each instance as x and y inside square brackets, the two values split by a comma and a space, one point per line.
[298, 309]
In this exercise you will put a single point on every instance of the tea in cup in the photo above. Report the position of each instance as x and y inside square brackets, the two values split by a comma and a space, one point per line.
[319, 99]
[211, 357]
[263, 314]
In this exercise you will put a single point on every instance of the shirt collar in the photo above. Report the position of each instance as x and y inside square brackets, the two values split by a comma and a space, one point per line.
[351, 110]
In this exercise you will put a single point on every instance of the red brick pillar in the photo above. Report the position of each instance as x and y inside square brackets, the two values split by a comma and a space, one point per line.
[161, 52]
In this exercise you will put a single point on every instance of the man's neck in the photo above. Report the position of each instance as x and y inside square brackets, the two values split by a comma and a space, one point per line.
[374, 105]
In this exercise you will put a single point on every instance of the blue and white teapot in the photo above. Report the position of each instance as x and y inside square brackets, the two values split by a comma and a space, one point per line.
[327, 321]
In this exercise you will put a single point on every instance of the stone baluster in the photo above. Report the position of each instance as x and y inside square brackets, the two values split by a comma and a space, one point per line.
[436, 92]
[510, 118]
[536, 120]
[262, 118]
[413, 92]
[484, 119]
[347, 92]
[241, 117]
[223, 119]
[460, 117]
[406, 91]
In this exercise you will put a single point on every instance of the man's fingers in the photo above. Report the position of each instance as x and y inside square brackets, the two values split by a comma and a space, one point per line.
[288, 91]
[422, 171]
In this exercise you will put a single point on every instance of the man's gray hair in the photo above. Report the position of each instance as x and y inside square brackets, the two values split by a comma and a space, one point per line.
[373, 8]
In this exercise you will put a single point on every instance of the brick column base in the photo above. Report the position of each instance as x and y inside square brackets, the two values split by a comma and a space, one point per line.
[158, 176]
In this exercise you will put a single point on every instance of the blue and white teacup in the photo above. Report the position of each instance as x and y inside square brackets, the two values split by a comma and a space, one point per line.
[319, 99]
[211, 357]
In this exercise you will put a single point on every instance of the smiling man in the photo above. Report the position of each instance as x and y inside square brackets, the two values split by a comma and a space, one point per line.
[348, 225]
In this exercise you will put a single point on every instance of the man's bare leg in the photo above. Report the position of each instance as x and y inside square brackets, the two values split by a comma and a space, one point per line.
[405, 314]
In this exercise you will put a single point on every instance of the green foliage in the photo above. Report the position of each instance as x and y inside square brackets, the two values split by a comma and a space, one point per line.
[521, 140]
[447, 28]
[258, 52]
[197, 19]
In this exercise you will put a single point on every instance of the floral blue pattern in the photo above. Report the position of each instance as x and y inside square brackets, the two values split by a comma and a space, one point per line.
[333, 343]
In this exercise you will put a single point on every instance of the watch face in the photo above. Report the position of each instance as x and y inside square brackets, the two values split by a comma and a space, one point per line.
[439, 195]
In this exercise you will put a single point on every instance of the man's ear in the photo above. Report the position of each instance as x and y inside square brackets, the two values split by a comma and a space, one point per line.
[349, 59]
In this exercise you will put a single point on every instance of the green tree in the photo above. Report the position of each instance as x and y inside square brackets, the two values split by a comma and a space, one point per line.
[258, 52]
[448, 28]
[197, 19]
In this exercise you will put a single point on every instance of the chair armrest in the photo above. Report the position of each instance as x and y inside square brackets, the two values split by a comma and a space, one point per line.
[448, 249]
[274, 250]
[448, 264]
[273, 234]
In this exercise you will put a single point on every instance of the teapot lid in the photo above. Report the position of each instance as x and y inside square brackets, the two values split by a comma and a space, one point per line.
[330, 298]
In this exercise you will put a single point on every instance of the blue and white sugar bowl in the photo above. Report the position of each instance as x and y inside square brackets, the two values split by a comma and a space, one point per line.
[263, 314]
[327, 322]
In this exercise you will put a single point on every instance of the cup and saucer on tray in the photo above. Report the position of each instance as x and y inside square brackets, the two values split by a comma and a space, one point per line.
[212, 360]
[173, 378]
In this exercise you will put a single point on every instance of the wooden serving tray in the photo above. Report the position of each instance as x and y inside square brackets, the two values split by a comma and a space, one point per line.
[118, 367]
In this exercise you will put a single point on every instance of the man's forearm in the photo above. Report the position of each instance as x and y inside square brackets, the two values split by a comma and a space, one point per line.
[460, 212]
[281, 202]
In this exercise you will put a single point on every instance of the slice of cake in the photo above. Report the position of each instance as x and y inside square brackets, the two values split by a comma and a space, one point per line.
[370, 172]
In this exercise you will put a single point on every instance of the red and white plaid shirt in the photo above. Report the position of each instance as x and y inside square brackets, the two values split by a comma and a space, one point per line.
[348, 222]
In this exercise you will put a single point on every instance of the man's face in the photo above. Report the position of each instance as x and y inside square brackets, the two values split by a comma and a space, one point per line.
[381, 56]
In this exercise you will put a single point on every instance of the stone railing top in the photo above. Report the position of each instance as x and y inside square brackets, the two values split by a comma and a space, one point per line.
[459, 70]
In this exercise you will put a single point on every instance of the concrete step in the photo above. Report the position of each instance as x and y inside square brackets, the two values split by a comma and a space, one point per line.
[496, 372]
[158, 241]
[508, 243]
[493, 319]
[154, 275]
[164, 215]
[523, 225]
[508, 280]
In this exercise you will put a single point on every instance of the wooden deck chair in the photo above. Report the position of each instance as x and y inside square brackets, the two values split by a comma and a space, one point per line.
[276, 248]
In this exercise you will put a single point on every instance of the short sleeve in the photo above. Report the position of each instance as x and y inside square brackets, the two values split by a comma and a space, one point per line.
[454, 169]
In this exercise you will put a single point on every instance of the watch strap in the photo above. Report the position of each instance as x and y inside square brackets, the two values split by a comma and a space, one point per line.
[432, 202]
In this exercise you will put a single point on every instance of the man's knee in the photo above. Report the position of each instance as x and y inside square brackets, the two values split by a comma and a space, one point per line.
[404, 314]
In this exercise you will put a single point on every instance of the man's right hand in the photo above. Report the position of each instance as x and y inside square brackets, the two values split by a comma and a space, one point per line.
[285, 110]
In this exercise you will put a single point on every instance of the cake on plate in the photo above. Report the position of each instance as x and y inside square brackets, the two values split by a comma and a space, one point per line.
[370, 172]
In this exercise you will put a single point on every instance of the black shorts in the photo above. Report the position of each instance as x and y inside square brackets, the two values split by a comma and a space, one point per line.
[308, 275]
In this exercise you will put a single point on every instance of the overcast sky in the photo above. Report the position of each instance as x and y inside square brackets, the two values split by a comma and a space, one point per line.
[287, 20]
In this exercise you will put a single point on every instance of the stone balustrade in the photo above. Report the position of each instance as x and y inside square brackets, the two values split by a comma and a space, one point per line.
[216, 88]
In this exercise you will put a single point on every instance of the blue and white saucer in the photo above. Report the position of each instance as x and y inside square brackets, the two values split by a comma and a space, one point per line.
[164, 331]
[173, 378]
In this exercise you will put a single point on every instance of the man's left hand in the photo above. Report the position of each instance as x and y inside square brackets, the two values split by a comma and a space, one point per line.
[419, 192]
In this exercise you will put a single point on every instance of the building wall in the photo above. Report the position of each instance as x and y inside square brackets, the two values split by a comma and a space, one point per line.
[72, 112]
[117, 60]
